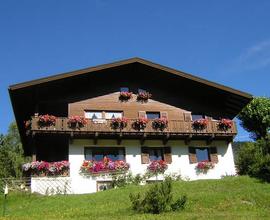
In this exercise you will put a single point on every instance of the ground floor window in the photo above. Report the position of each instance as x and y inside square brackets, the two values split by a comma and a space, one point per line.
[198, 154]
[149, 154]
[202, 154]
[98, 153]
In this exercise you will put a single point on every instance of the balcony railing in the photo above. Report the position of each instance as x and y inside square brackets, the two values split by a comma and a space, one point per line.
[175, 127]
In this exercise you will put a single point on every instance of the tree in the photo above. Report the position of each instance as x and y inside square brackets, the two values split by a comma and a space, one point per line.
[11, 153]
[255, 118]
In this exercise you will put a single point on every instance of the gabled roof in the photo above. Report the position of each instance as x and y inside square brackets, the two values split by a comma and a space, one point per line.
[125, 62]
[58, 90]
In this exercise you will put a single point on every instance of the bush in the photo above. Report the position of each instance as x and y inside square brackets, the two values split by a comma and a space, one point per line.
[251, 160]
[157, 199]
[246, 158]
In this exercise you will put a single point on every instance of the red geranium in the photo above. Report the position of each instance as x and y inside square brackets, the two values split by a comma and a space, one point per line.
[200, 124]
[224, 124]
[46, 120]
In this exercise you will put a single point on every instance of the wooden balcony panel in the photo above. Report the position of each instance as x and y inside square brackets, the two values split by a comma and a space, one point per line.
[174, 127]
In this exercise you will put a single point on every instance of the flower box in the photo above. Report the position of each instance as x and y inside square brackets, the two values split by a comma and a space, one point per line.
[200, 124]
[160, 124]
[119, 123]
[43, 168]
[143, 96]
[157, 167]
[125, 96]
[106, 166]
[224, 124]
[204, 166]
[76, 122]
[46, 120]
[140, 124]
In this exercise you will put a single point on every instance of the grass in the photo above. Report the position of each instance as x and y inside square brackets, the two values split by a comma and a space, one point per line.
[229, 198]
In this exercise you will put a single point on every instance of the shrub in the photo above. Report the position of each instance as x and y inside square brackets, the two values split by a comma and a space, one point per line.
[157, 199]
[252, 161]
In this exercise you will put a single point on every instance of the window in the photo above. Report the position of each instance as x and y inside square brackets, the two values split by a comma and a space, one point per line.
[111, 115]
[152, 115]
[124, 89]
[104, 185]
[156, 153]
[93, 114]
[202, 154]
[98, 153]
[141, 90]
[198, 154]
[197, 116]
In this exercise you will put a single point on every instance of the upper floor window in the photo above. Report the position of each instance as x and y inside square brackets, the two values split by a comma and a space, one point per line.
[152, 115]
[98, 153]
[93, 114]
[111, 115]
[124, 89]
[197, 116]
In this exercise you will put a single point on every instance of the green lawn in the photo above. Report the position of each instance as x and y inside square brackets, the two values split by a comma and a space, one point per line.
[229, 198]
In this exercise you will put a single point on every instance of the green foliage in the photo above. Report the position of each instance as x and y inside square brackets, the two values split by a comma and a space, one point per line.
[157, 199]
[252, 160]
[255, 117]
[121, 180]
[11, 153]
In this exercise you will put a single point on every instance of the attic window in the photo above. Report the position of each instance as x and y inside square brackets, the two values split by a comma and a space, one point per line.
[124, 89]
[141, 90]
[197, 116]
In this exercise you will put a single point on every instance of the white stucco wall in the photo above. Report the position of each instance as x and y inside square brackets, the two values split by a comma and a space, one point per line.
[180, 161]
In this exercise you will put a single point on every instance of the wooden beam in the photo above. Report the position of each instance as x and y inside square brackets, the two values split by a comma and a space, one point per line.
[188, 139]
[119, 139]
[96, 138]
[143, 138]
[210, 139]
[166, 138]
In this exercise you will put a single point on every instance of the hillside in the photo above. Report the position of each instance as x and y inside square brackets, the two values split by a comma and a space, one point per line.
[229, 198]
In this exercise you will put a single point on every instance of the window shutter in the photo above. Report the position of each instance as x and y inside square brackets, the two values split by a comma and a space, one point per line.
[187, 116]
[192, 155]
[167, 155]
[164, 115]
[144, 155]
[142, 114]
[213, 154]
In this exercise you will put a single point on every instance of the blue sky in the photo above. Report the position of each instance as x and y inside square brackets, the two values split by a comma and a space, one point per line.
[223, 41]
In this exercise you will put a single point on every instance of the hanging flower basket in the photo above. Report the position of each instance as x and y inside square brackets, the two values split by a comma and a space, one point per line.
[143, 96]
[140, 124]
[200, 124]
[125, 96]
[76, 122]
[224, 124]
[160, 124]
[106, 166]
[204, 166]
[157, 167]
[43, 168]
[119, 123]
[46, 120]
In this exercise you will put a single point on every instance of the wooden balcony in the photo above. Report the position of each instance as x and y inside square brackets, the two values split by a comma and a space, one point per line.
[102, 128]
